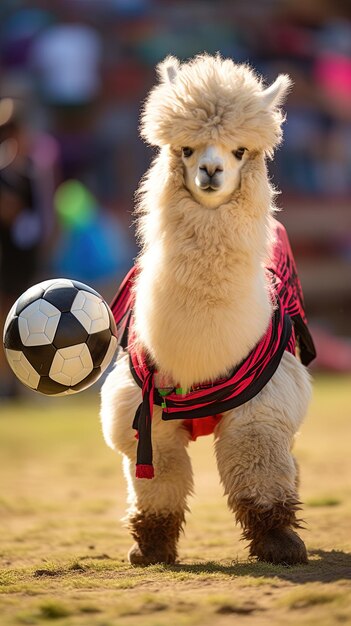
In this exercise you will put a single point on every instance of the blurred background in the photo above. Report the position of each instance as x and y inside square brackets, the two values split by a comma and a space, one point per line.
[73, 75]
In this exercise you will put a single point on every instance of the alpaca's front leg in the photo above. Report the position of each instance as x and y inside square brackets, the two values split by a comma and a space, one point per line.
[257, 469]
[157, 506]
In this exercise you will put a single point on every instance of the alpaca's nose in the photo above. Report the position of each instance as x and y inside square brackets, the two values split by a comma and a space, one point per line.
[210, 169]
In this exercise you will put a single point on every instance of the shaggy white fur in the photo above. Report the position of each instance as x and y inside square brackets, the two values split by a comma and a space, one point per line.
[202, 300]
[253, 442]
[213, 100]
[173, 480]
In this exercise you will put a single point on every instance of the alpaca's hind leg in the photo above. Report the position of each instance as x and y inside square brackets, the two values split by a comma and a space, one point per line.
[253, 449]
[157, 506]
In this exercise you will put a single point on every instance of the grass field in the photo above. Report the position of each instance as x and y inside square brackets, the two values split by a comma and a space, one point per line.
[63, 548]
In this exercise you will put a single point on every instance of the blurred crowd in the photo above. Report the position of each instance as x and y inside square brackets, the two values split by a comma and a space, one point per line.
[73, 75]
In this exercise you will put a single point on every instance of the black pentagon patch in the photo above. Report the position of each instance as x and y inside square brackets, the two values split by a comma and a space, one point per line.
[88, 380]
[98, 344]
[82, 287]
[61, 297]
[40, 357]
[50, 387]
[69, 332]
[29, 296]
[12, 339]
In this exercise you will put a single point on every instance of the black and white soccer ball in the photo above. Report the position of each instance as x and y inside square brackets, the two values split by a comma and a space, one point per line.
[59, 337]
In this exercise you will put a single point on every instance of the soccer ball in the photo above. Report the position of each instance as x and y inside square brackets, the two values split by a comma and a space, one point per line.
[59, 337]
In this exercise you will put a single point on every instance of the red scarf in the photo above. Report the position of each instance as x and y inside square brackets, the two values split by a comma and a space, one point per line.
[202, 406]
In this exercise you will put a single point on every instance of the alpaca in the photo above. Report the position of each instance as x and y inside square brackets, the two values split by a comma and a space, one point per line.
[200, 302]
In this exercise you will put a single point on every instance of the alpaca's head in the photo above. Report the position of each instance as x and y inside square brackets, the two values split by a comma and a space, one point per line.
[212, 172]
[214, 115]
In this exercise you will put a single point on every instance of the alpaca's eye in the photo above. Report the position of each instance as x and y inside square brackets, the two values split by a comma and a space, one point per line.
[239, 153]
[187, 152]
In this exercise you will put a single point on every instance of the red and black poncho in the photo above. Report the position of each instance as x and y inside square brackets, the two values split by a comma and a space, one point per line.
[201, 408]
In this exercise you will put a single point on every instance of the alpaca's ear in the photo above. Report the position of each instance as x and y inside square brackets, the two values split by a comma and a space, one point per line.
[168, 69]
[274, 95]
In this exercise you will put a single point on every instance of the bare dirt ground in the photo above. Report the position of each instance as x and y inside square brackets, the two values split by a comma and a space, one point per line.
[63, 548]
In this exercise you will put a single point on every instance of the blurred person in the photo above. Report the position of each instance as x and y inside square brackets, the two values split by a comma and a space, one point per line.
[66, 62]
[93, 247]
[332, 75]
[67, 58]
[27, 181]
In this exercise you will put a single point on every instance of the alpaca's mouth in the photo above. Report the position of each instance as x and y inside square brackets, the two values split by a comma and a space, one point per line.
[209, 188]
[208, 184]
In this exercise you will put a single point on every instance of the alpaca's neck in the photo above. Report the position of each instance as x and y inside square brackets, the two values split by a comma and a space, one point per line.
[201, 298]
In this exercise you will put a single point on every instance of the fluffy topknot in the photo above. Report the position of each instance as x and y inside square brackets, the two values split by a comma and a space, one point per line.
[211, 99]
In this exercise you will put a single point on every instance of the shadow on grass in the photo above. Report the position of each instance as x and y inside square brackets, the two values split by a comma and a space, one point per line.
[323, 567]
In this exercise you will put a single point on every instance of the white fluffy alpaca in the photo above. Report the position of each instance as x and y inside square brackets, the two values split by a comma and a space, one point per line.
[202, 303]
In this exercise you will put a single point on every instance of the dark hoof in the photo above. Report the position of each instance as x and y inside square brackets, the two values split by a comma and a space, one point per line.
[281, 545]
[136, 557]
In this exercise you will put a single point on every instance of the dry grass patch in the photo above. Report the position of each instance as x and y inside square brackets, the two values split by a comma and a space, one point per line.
[310, 597]
[323, 501]
[63, 552]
